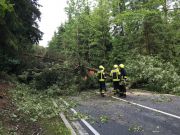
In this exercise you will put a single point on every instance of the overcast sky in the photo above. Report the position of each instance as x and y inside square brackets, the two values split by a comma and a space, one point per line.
[52, 16]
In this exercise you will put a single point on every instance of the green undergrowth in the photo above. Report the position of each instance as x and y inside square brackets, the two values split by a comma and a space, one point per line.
[2, 130]
[152, 73]
[55, 126]
[38, 108]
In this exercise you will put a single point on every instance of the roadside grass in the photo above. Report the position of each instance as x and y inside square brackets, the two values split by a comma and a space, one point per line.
[33, 112]
[54, 126]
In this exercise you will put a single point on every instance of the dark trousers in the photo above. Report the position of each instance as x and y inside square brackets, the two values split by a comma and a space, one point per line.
[116, 85]
[102, 86]
[122, 90]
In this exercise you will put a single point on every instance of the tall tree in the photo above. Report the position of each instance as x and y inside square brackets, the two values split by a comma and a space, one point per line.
[18, 30]
[111, 30]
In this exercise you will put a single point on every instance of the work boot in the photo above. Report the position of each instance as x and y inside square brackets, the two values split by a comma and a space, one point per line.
[120, 94]
[124, 95]
[102, 93]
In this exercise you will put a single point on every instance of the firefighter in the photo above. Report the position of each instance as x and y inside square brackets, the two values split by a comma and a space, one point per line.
[122, 86]
[115, 74]
[101, 79]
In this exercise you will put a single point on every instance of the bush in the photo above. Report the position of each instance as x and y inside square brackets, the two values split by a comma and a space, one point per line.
[154, 74]
[90, 83]
[23, 77]
[56, 90]
[46, 78]
[57, 80]
[4, 77]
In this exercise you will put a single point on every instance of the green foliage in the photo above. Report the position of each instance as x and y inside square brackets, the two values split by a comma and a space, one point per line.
[18, 31]
[55, 80]
[46, 78]
[104, 119]
[90, 83]
[8, 64]
[23, 77]
[55, 90]
[136, 128]
[110, 31]
[38, 107]
[56, 127]
[154, 74]
[4, 8]
[34, 104]
[89, 31]
[5, 77]
[1, 128]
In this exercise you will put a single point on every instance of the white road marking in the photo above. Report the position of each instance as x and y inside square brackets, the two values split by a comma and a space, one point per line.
[149, 108]
[83, 120]
[146, 107]
[79, 127]
[68, 125]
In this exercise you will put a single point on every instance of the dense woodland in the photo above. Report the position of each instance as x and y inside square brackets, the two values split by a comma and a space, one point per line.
[18, 32]
[142, 34]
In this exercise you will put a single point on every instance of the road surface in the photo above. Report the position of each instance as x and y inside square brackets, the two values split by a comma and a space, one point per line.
[110, 116]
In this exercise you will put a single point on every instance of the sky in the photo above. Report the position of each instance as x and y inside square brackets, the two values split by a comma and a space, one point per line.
[52, 15]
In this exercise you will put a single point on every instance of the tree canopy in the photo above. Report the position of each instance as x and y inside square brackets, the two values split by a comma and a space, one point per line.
[123, 31]
[18, 29]
[111, 30]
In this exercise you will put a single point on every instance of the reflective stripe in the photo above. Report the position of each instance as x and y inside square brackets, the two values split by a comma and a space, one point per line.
[117, 73]
[116, 80]
[101, 80]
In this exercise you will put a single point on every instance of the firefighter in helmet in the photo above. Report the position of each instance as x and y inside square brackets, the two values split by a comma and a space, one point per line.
[101, 79]
[115, 74]
[122, 86]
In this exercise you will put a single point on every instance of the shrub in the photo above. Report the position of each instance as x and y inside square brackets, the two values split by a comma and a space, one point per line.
[23, 77]
[57, 80]
[56, 90]
[46, 78]
[154, 74]
[4, 76]
[90, 83]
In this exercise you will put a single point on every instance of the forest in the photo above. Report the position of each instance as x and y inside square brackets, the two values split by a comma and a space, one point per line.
[144, 35]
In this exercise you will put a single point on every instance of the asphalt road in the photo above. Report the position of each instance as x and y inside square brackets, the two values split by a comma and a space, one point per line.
[109, 116]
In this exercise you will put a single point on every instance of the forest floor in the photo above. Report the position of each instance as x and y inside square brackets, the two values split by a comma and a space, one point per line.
[111, 115]
[11, 122]
[15, 122]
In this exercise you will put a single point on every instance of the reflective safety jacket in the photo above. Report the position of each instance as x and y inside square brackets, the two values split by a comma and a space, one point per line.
[115, 75]
[101, 76]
